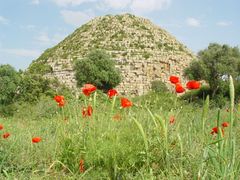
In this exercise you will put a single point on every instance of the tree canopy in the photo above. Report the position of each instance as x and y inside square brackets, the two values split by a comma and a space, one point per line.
[9, 81]
[99, 69]
[214, 65]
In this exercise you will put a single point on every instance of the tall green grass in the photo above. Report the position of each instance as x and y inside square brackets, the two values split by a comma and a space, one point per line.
[140, 143]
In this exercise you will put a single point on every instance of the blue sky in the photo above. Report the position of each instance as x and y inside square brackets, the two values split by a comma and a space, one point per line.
[28, 27]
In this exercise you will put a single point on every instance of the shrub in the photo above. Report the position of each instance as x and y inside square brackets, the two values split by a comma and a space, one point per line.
[146, 55]
[158, 86]
[18, 87]
[98, 69]
[7, 110]
[198, 96]
[32, 87]
[39, 67]
[9, 81]
[220, 100]
[214, 65]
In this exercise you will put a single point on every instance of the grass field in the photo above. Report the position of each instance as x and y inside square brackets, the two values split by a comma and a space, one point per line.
[159, 137]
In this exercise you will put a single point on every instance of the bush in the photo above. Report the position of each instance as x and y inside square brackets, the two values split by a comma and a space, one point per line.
[98, 69]
[32, 87]
[220, 100]
[198, 96]
[39, 67]
[215, 65]
[158, 86]
[18, 87]
[9, 81]
[7, 110]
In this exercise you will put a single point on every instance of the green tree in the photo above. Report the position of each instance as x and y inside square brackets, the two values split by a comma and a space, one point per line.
[214, 65]
[32, 87]
[99, 69]
[9, 81]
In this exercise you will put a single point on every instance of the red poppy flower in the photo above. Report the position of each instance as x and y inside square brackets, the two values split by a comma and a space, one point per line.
[36, 140]
[6, 135]
[225, 124]
[179, 88]
[61, 103]
[215, 130]
[87, 111]
[112, 92]
[81, 166]
[193, 84]
[172, 119]
[88, 89]
[174, 79]
[1, 127]
[126, 103]
[58, 98]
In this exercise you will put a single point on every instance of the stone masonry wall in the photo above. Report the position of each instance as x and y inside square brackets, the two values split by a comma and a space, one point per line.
[143, 52]
[137, 72]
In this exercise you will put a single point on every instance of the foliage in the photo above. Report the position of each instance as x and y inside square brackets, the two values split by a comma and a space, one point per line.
[32, 87]
[160, 137]
[39, 67]
[146, 55]
[196, 95]
[7, 109]
[215, 64]
[142, 144]
[98, 69]
[25, 87]
[158, 86]
[9, 81]
[199, 95]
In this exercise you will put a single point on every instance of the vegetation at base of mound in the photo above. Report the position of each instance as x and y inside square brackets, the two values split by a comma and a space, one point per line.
[159, 137]
[20, 87]
[214, 65]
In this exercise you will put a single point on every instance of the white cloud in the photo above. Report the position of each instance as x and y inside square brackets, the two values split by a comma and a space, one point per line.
[21, 52]
[77, 18]
[116, 4]
[145, 6]
[135, 6]
[71, 2]
[35, 2]
[223, 23]
[3, 20]
[193, 22]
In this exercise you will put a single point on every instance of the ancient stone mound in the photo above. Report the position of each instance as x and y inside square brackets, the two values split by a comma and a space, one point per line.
[143, 51]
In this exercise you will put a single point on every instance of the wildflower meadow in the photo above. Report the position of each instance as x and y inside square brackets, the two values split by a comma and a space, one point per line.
[109, 136]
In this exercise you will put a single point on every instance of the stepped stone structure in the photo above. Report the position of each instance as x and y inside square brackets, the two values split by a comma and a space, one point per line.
[143, 52]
